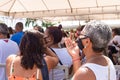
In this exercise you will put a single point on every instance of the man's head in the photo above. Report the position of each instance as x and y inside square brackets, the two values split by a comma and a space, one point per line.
[19, 27]
[3, 31]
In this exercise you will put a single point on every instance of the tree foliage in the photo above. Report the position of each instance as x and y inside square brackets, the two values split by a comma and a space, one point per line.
[30, 21]
[47, 24]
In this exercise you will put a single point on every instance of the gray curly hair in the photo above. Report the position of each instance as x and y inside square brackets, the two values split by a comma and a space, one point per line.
[99, 33]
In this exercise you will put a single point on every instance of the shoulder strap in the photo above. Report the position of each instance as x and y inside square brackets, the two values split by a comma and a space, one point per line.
[108, 69]
[11, 67]
[56, 54]
[38, 72]
[44, 71]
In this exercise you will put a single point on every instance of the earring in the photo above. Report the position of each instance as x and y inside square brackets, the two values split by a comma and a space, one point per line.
[49, 40]
[84, 46]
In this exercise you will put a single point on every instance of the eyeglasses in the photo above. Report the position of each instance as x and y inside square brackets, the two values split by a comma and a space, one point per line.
[84, 36]
[79, 39]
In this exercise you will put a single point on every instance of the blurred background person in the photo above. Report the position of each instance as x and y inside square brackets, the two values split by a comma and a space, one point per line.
[62, 42]
[114, 46]
[72, 34]
[39, 28]
[78, 31]
[7, 47]
[18, 33]
[11, 32]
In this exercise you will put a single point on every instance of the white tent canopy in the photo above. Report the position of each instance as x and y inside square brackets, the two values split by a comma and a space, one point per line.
[61, 9]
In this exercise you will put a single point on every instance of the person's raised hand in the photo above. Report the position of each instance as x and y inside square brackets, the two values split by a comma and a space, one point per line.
[72, 48]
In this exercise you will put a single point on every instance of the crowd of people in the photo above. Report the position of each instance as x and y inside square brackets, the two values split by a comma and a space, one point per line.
[89, 53]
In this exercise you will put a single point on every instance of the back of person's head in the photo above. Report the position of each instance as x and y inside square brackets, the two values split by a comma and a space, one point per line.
[4, 29]
[60, 26]
[79, 28]
[71, 31]
[64, 34]
[116, 31]
[56, 33]
[32, 49]
[99, 33]
[39, 28]
[10, 30]
[19, 26]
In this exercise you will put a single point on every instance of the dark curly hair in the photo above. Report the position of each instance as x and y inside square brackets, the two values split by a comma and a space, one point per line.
[32, 49]
[116, 31]
[56, 33]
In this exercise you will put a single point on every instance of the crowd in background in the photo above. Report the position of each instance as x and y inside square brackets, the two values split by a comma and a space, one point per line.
[37, 52]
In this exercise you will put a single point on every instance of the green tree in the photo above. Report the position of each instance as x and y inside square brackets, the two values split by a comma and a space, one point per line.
[47, 24]
[30, 21]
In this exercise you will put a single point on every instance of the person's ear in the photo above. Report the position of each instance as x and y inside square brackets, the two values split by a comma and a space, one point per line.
[50, 39]
[87, 42]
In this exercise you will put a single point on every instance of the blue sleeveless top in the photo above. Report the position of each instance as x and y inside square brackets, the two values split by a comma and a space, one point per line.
[44, 70]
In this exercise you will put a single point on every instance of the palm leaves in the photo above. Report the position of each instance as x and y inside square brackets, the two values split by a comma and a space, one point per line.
[47, 24]
[30, 21]
[33, 22]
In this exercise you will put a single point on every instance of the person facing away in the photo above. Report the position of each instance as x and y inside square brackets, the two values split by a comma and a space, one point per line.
[7, 47]
[11, 32]
[39, 28]
[19, 33]
[115, 42]
[53, 36]
[94, 38]
[35, 59]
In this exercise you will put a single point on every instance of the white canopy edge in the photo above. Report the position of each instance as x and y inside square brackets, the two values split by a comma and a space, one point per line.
[108, 12]
[55, 9]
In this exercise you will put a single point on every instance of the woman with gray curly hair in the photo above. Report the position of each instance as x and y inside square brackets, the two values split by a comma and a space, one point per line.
[94, 39]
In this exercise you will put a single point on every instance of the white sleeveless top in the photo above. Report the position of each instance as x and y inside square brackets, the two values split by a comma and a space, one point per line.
[65, 58]
[101, 72]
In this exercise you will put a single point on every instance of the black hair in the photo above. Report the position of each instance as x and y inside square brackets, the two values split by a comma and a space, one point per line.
[4, 29]
[32, 49]
[116, 31]
[19, 25]
[56, 33]
[39, 28]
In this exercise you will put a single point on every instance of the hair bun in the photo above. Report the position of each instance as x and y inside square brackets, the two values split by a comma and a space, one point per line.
[60, 26]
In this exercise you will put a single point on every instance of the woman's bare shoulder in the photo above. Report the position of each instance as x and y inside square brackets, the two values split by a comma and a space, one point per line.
[10, 58]
[84, 73]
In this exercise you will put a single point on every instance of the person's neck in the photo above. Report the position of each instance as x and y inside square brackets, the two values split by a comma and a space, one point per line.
[18, 31]
[55, 46]
[93, 56]
[3, 37]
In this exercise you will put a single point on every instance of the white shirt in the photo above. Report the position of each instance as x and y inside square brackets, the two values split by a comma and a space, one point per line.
[101, 72]
[66, 60]
[7, 47]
